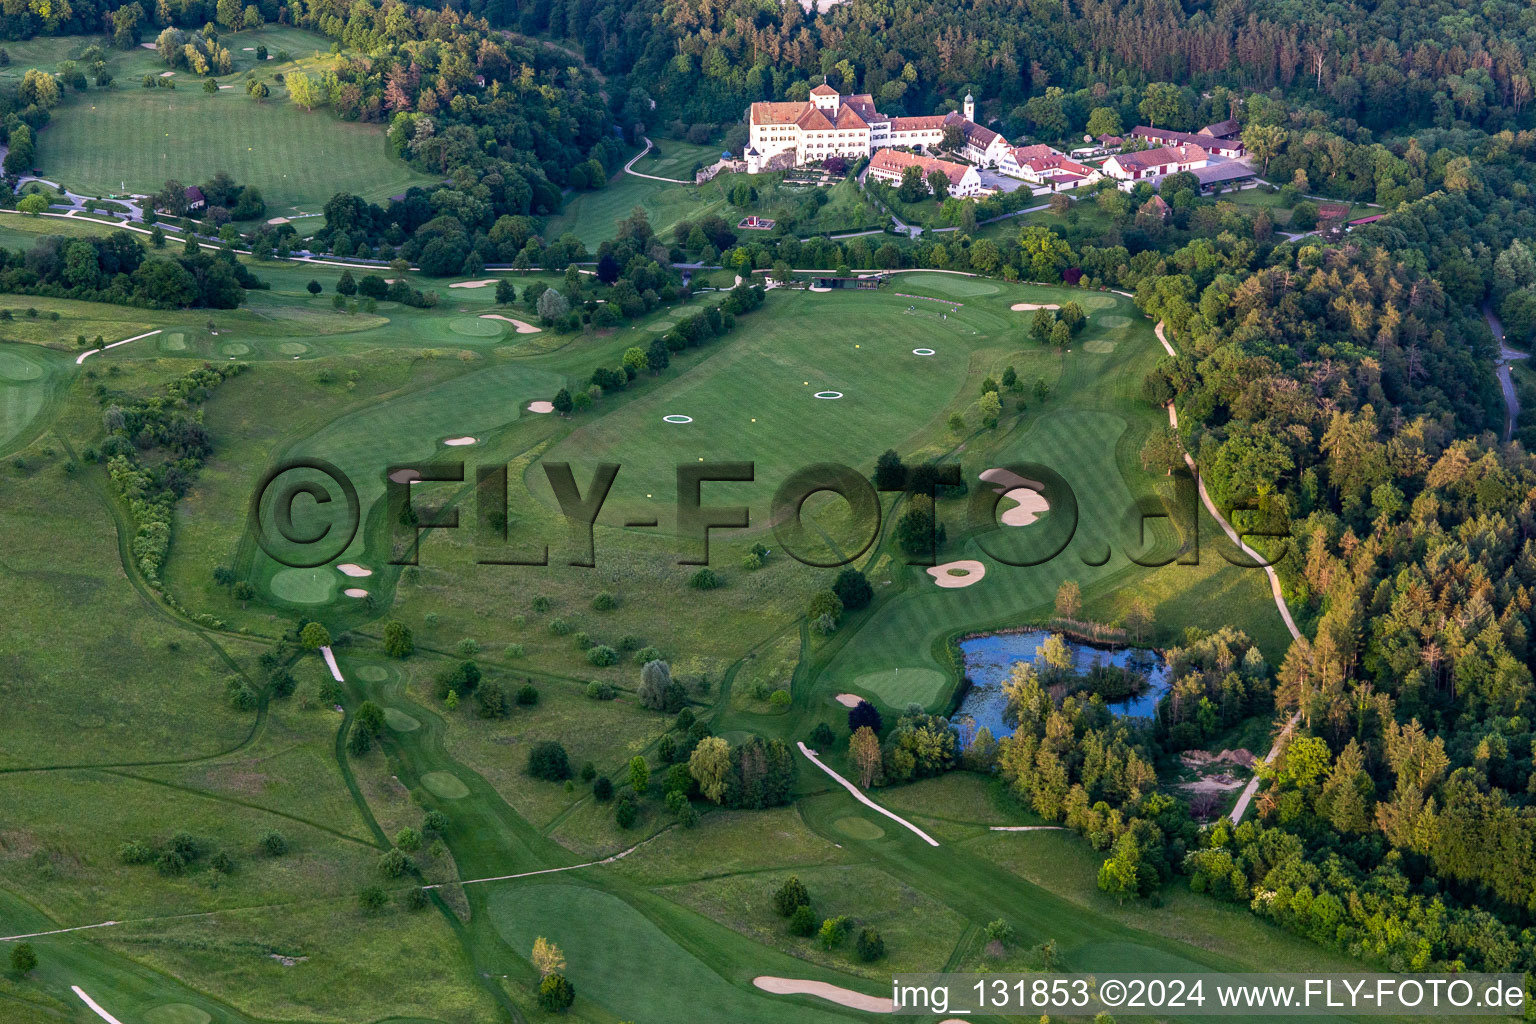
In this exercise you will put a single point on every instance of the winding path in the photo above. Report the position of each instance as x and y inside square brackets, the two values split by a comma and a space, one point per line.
[86, 355]
[1241, 807]
[629, 167]
[94, 1005]
[1507, 356]
[861, 798]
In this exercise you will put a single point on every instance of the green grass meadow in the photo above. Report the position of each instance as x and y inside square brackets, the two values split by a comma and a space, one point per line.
[119, 725]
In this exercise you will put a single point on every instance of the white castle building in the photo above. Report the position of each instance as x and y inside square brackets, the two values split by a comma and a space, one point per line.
[829, 124]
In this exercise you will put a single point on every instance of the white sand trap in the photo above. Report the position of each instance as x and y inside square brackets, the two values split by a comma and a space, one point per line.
[1022, 307]
[1030, 504]
[405, 476]
[473, 284]
[849, 700]
[248, 49]
[166, 74]
[279, 220]
[354, 570]
[819, 288]
[355, 592]
[953, 575]
[1008, 480]
[459, 442]
[394, 280]
[541, 406]
[149, 46]
[223, 87]
[832, 993]
[522, 328]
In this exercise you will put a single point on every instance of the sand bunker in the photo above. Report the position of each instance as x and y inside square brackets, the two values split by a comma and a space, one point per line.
[1030, 504]
[405, 476]
[849, 700]
[522, 328]
[354, 570]
[541, 406]
[963, 573]
[459, 442]
[149, 46]
[355, 592]
[1023, 307]
[166, 74]
[279, 220]
[473, 284]
[832, 993]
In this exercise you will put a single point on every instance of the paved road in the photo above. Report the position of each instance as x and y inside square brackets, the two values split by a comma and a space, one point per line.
[1507, 356]
[628, 167]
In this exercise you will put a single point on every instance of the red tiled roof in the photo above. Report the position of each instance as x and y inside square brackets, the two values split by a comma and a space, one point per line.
[926, 122]
[897, 161]
[847, 117]
[777, 113]
[814, 119]
[823, 90]
[1162, 155]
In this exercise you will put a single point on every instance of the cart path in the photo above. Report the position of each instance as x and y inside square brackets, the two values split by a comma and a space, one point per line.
[1241, 807]
[861, 798]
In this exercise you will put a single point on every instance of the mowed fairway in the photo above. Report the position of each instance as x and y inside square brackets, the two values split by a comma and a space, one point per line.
[139, 138]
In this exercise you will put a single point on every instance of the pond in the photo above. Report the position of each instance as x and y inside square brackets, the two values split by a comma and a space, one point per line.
[989, 659]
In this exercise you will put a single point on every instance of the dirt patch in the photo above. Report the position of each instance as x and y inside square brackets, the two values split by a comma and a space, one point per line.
[1222, 783]
[287, 961]
[1200, 758]
[832, 993]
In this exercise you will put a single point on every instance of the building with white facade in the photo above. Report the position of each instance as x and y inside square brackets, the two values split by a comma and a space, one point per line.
[1042, 165]
[889, 165]
[1153, 164]
[828, 124]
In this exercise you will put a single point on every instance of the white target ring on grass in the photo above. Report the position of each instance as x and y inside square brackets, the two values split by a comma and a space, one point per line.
[923, 352]
[677, 419]
[830, 396]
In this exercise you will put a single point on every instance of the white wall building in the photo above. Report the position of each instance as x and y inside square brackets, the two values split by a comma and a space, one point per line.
[889, 165]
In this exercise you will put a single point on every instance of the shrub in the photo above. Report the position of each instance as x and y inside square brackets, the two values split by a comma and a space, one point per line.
[626, 812]
[408, 839]
[803, 921]
[223, 863]
[583, 641]
[491, 701]
[469, 647]
[23, 958]
[833, 931]
[599, 691]
[870, 945]
[999, 931]
[853, 589]
[602, 656]
[548, 761]
[416, 899]
[559, 627]
[514, 651]
[133, 852]
[398, 642]
[602, 789]
[779, 698]
[646, 654]
[540, 603]
[705, 579]
[604, 602]
[527, 695]
[556, 994]
[274, 844]
[588, 771]
[790, 896]
[655, 679]
[822, 736]
[435, 822]
[393, 863]
[685, 720]
[372, 899]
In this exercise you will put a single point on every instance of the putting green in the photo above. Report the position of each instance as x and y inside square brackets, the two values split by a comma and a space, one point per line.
[303, 586]
[855, 827]
[402, 722]
[234, 348]
[1096, 301]
[445, 785]
[947, 284]
[293, 348]
[1112, 320]
[474, 327]
[660, 325]
[177, 1013]
[19, 368]
[899, 687]
[175, 341]
[1100, 346]
[372, 673]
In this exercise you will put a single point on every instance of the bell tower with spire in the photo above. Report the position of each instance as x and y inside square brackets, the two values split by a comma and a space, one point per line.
[970, 107]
